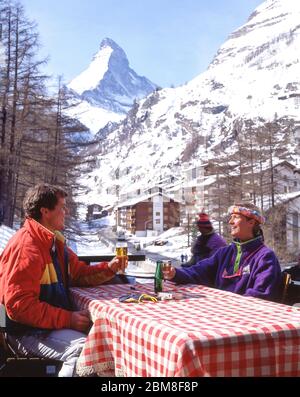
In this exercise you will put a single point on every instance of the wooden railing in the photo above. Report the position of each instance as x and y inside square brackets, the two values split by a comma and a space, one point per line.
[107, 258]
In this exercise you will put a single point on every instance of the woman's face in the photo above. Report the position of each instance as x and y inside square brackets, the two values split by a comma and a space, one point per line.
[241, 227]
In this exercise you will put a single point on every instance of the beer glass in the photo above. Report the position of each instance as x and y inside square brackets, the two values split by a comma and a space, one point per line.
[122, 253]
[166, 267]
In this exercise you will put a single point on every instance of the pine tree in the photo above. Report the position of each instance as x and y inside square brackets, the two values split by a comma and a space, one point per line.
[36, 136]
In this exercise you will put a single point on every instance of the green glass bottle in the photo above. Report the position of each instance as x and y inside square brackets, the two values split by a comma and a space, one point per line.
[158, 280]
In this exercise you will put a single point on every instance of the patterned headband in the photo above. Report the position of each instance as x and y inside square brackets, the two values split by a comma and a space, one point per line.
[249, 213]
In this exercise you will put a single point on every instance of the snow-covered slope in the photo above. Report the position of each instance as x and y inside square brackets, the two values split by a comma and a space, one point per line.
[106, 90]
[255, 74]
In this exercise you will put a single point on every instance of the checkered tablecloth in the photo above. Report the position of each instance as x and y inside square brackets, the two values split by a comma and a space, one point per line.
[208, 332]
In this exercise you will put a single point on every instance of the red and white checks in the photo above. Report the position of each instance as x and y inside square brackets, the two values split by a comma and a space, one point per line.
[208, 332]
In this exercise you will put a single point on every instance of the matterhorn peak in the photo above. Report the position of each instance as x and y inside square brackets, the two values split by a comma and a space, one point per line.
[109, 83]
[90, 77]
[107, 42]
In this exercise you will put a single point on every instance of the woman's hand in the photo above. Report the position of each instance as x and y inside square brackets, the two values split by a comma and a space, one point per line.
[169, 272]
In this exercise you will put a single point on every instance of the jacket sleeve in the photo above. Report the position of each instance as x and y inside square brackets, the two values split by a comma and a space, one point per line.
[266, 280]
[83, 275]
[203, 272]
[24, 269]
[216, 242]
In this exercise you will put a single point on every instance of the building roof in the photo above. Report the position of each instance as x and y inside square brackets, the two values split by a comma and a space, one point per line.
[135, 200]
[285, 163]
[286, 197]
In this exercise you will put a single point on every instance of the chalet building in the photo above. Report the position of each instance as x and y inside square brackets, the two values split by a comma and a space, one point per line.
[193, 190]
[287, 177]
[290, 100]
[156, 212]
[94, 211]
[296, 134]
[282, 229]
[134, 191]
[131, 194]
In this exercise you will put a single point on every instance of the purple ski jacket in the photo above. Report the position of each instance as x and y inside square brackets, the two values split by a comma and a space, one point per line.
[249, 268]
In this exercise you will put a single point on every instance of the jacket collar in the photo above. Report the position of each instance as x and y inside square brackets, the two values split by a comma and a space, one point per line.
[250, 245]
[44, 235]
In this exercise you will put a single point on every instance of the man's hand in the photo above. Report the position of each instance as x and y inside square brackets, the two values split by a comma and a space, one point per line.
[80, 321]
[118, 264]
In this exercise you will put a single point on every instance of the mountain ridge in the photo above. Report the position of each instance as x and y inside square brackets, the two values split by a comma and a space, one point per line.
[255, 67]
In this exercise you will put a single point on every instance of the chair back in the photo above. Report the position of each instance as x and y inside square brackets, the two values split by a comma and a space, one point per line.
[291, 287]
[13, 364]
[2, 317]
[286, 281]
[3, 336]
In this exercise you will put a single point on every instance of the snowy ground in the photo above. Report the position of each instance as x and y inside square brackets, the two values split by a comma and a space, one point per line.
[88, 243]
[176, 243]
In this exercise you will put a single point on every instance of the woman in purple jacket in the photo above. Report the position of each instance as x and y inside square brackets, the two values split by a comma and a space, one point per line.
[246, 266]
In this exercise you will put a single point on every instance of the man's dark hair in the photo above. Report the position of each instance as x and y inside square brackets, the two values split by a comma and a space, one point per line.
[41, 195]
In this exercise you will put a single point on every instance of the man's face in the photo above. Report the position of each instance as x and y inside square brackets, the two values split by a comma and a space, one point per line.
[241, 227]
[55, 219]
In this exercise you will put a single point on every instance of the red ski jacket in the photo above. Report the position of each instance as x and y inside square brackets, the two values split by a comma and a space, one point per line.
[29, 279]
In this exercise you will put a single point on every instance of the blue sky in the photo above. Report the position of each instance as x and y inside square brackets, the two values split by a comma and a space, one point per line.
[168, 41]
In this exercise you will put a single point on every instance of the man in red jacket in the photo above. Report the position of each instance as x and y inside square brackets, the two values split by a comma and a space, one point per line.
[36, 269]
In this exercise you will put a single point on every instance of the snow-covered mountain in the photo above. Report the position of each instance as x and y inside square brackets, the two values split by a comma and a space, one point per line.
[255, 74]
[107, 89]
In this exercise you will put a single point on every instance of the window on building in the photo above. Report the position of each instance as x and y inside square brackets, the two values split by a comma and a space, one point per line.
[157, 221]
